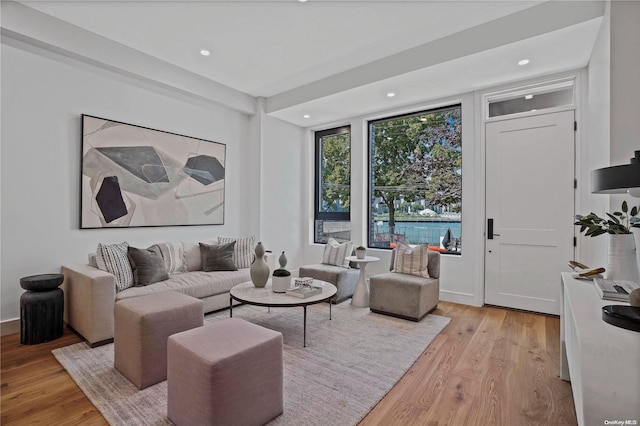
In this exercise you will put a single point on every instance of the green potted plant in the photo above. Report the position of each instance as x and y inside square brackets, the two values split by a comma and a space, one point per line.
[622, 260]
[281, 280]
[361, 252]
[618, 222]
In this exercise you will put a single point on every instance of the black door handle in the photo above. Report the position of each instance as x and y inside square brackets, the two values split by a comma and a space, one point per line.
[490, 233]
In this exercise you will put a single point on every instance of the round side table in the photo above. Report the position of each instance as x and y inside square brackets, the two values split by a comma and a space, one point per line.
[360, 298]
[41, 308]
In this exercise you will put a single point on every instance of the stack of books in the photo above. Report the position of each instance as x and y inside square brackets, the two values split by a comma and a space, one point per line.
[304, 292]
[617, 290]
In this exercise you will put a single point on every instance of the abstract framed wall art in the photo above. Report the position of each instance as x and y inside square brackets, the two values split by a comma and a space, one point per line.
[135, 176]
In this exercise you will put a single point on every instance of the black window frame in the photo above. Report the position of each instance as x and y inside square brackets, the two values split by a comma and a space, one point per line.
[370, 175]
[317, 191]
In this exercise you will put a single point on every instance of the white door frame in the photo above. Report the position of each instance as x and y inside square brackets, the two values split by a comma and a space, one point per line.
[482, 101]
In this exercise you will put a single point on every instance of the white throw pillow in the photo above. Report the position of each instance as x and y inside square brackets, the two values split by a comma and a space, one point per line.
[173, 257]
[412, 260]
[243, 251]
[113, 259]
[335, 253]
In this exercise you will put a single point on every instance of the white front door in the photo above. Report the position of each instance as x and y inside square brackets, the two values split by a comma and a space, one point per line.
[530, 202]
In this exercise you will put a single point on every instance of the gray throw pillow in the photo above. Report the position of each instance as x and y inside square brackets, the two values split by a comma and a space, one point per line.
[217, 257]
[147, 265]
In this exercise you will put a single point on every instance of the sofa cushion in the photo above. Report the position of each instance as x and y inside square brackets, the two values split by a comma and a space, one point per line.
[197, 284]
[113, 258]
[147, 265]
[243, 250]
[192, 257]
[336, 253]
[412, 260]
[217, 257]
[173, 257]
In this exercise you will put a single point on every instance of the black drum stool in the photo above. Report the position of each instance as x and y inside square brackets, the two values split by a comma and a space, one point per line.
[41, 308]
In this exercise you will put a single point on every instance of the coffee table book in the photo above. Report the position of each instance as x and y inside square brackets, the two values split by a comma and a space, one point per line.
[614, 289]
[304, 292]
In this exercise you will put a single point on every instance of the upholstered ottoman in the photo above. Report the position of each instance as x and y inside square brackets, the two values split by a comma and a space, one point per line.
[345, 279]
[225, 373]
[141, 328]
[406, 296]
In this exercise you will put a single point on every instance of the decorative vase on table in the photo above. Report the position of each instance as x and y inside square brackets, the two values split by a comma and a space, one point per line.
[259, 269]
[280, 284]
[622, 262]
[282, 260]
[361, 252]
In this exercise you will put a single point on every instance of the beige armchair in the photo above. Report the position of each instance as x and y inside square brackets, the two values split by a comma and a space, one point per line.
[406, 296]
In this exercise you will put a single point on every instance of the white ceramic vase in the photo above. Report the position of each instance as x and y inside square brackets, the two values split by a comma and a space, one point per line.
[259, 269]
[280, 284]
[622, 261]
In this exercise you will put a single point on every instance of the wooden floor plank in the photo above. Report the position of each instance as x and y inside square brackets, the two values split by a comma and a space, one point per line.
[489, 366]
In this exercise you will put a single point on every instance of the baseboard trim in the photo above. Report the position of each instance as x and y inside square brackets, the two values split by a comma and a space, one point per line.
[457, 297]
[10, 327]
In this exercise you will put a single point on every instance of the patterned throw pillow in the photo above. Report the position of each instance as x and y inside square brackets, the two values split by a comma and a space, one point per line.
[243, 251]
[173, 257]
[113, 259]
[411, 260]
[335, 253]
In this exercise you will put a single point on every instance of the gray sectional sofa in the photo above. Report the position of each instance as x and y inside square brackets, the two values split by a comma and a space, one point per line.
[90, 295]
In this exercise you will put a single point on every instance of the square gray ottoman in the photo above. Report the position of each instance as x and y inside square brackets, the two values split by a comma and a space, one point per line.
[226, 373]
[141, 328]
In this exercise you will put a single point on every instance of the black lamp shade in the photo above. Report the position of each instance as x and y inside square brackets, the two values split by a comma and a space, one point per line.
[616, 179]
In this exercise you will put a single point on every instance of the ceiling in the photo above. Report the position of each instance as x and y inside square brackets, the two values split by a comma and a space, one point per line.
[336, 59]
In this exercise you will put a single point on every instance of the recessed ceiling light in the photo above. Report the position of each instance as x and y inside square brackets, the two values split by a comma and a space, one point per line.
[528, 97]
[390, 95]
[306, 116]
[302, 1]
[534, 110]
[205, 52]
[523, 62]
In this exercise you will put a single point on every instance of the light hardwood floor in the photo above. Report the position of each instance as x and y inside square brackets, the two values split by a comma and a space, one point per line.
[490, 366]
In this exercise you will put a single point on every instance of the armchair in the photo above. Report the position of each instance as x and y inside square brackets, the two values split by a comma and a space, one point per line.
[403, 295]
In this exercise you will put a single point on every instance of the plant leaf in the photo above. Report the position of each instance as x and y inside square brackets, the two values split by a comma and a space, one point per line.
[634, 211]
[598, 232]
[615, 219]
[625, 207]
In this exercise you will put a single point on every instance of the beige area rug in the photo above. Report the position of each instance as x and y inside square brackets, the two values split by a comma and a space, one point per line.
[349, 364]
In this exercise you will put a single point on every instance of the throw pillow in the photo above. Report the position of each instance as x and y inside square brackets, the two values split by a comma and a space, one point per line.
[336, 253]
[412, 260]
[192, 257]
[243, 252]
[173, 256]
[147, 266]
[113, 259]
[218, 257]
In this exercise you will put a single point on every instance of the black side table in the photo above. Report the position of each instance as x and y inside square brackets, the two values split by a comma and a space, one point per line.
[41, 308]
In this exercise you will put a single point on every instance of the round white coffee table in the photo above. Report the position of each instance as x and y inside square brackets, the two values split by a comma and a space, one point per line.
[251, 295]
[360, 298]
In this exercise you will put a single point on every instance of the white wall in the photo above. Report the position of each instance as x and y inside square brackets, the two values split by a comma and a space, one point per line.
[42, 100]
[282, 190]
[625, 88]
[594, 154]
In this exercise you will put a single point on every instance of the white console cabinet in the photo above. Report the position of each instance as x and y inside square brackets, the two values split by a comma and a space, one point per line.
[602, 361]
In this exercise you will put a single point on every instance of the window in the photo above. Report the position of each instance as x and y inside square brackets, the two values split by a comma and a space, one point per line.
[332, 193]
[415, 180]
